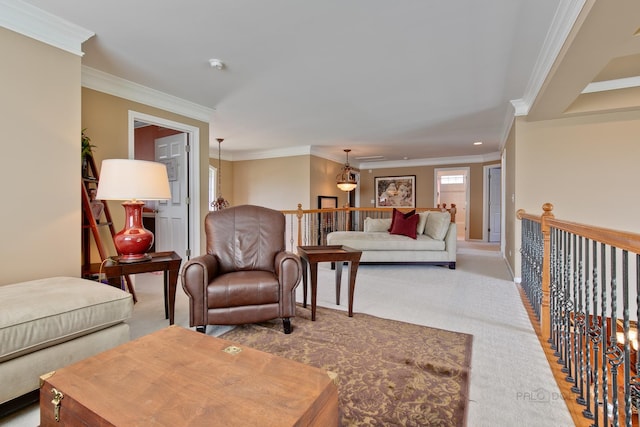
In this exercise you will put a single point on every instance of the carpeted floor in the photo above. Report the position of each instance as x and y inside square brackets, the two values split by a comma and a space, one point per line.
[478, 298]
[389, 373]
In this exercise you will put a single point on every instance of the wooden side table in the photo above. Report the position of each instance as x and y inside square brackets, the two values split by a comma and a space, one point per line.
[312, 255]
[169, 262]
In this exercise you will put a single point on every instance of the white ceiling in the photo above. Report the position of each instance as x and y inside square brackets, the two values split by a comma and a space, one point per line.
[420, 79]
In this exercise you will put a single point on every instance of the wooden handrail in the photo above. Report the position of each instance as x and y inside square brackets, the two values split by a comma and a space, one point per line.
[582, 321]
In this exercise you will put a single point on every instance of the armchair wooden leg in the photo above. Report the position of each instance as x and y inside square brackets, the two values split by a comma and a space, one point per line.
[201, 329]
[286, 323]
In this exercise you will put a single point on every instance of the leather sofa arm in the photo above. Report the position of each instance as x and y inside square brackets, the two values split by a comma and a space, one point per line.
[289, 271]
[197, 273]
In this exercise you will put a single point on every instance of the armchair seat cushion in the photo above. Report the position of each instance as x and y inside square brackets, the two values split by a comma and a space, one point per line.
[242, 288]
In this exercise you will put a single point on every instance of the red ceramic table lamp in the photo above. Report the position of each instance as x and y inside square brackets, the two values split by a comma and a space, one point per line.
[133, 181]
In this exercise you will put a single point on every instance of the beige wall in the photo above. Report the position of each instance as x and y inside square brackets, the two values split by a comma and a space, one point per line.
[509, 210]
[323, 182]
[425, 188]
[282, 183]
[226, 179]
[106, 119]
[587, 167]
[278, 183]
[40, 173]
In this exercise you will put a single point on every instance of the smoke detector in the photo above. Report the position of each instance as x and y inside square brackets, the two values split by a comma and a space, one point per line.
[216, 63]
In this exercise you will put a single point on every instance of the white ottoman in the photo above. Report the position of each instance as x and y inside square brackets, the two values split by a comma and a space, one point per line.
[50, 323]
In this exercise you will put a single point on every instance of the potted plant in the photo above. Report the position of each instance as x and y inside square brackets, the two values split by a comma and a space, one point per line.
[87, 147]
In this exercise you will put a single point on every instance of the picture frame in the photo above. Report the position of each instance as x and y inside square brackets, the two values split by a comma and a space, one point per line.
[326, 220]
[395, 191]
[327, 202]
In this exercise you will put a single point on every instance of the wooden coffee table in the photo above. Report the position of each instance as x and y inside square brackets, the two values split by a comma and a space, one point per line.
[179, 377]
[312, 255]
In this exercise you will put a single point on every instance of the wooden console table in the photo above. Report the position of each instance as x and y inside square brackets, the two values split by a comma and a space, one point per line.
[312, 255]
[169, 262]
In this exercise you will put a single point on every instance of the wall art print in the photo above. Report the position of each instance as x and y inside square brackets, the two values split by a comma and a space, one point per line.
[395, 191]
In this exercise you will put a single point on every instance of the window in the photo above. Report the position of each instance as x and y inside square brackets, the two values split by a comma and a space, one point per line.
[452, 179]
[212, 185]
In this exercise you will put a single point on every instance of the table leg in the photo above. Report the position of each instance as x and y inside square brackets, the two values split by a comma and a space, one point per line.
[166, 293]
[304, 282]
[314, 288]
[338, 280]
[172, 285]
[353, 270]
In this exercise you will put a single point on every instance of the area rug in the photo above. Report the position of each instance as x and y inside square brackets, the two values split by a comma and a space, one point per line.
[389, 373]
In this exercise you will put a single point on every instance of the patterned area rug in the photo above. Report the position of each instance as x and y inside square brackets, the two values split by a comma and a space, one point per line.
[390, 373]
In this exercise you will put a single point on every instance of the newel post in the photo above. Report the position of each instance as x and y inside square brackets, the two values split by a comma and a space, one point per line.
[299, 215]
[545, 315]
[347, 225]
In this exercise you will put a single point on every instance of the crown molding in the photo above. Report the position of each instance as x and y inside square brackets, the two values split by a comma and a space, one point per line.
[269, 154]
[108, 83]
[606, 85]
[563, 21]
[520, 106]
[37, 24]
[316, 151]
[430, 162]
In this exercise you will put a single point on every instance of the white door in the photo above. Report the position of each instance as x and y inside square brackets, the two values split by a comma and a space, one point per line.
[171, 219]
[495, 208]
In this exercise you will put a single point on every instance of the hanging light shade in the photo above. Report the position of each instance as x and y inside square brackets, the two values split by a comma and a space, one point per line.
[347, 180]
[220, 202]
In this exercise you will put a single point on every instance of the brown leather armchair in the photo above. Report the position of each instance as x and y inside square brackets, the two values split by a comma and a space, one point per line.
[246, 276]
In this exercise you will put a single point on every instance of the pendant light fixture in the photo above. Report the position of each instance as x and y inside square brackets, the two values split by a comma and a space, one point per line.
[347, 180]
[220, 202]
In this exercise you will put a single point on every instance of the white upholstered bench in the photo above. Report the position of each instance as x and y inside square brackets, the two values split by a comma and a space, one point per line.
[50, 323]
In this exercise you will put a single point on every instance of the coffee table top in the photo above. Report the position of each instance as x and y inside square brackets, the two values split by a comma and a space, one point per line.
[188, 378]
[329, 253]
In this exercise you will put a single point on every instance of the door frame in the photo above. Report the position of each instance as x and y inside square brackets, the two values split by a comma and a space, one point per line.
[193, 160]
[467, 178]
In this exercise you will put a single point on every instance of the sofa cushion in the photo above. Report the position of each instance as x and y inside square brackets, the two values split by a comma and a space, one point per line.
[405, 226]
[397, 214]
[383, 241]
[422, 222]
[376, 224]
[45, 312]
[437, 225]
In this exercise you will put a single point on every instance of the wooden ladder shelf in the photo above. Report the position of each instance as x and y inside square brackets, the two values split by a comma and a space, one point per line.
[92, 223]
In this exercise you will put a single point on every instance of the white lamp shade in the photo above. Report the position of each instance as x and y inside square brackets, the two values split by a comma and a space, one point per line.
[125, 179]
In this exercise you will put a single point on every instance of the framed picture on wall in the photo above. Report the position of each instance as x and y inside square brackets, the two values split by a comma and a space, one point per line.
[395, 191]
[326, 220]
[327, 202]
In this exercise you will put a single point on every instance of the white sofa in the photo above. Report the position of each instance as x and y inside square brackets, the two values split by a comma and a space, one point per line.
[50, 323]
[435, 241]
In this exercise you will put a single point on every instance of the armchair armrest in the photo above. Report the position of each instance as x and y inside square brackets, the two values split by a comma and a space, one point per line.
[197, 273]
[289, 271]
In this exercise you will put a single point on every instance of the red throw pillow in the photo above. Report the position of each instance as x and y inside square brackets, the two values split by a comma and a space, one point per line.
[405, 226]
[397, 213]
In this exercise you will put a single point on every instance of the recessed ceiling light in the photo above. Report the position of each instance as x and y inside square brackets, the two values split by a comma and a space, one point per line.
[477, 143]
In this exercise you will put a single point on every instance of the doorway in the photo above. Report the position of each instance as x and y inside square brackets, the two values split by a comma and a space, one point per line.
[173, 219]
[452, 187]
[493, 204]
